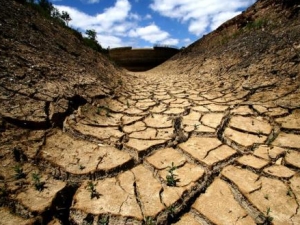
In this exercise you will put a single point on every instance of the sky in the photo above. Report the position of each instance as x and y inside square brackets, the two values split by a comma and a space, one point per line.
[145, 23]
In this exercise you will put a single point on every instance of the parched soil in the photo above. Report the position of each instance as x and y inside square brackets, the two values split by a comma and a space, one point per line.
[204, 139]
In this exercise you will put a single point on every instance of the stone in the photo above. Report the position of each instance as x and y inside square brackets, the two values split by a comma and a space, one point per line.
[252, 161]
[251, 124]
[141, 146]
[219, 154]
[244, 139]
[291, 121]
[149, 191]
[212, 119]
[116, 196]
[8, 218]
[292, 158]
[165, 157]
[158, 121]
[219, 205]
[174, 111]
[82, 157]
[245, 180]
[269, 152]
[273, 196]
[200, 108]
[192, 119]
[138, 126]
[287, 140]
[199, 147]
[242, 110]
[190, 219]
[279, 171]
[33, 201]
[100, 133]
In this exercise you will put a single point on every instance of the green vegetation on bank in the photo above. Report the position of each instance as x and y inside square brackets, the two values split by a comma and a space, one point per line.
[47, 10]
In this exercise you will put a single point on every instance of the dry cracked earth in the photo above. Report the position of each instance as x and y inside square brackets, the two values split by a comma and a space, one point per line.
[204, 139]
[165, 150]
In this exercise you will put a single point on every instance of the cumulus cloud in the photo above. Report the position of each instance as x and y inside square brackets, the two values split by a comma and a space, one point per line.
[117, 25]
[112, 22]
[148, 17]
[152, 33]
[202, 16]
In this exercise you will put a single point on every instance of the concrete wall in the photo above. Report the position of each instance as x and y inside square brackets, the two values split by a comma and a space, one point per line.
[141, 59]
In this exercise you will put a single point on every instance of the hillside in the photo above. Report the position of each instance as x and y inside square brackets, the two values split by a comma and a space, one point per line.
[257, 51]
[211, 136]
[44, 67]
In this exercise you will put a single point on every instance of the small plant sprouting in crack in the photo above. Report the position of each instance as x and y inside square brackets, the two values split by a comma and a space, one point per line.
[19, 173]
[104, 109]
[38, 184]
[289, 192]
[81, 167]
[260, 133]
[103, 221]
[171, 177]
[91, 187]
[171, 211]
[127, 103]
[266, 196]
[149, 221]
[269, 218]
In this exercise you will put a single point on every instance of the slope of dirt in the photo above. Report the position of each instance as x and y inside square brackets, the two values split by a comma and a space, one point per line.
[212, 136]
[45, 69]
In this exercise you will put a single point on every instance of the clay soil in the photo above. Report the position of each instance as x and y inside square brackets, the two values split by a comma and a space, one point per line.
[212, 136]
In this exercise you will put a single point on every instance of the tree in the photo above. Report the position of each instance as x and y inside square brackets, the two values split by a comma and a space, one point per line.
[56, 14]
[66, 17]
[91, 34]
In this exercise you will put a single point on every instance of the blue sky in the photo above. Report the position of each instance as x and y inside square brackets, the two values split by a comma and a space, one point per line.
[144, 23]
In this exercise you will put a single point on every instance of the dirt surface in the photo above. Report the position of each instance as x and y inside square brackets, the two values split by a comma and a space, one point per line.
[212, 136]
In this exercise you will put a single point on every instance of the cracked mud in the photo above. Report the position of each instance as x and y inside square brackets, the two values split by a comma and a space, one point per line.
[206, 139]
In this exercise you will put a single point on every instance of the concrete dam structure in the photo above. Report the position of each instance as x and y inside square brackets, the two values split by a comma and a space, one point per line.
[142, 59]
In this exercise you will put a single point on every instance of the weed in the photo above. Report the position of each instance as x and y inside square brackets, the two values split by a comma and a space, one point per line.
[289, 192]
[81, 167]
[269, 218]
[266, 196]
[171, 177]
[127, 102]
[257, 24]
[38, 184]
[149, 221]
[104, 109]
[171, 211]
[103, 221]
[91, 187]
[260, 133]
[19, 172]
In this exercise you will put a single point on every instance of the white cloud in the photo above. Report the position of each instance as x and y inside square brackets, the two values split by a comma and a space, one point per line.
[202, 16]
[109, 41]
[148, 17]
[170, 41]
[110, 25]
[151, 33]
[117, 25]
